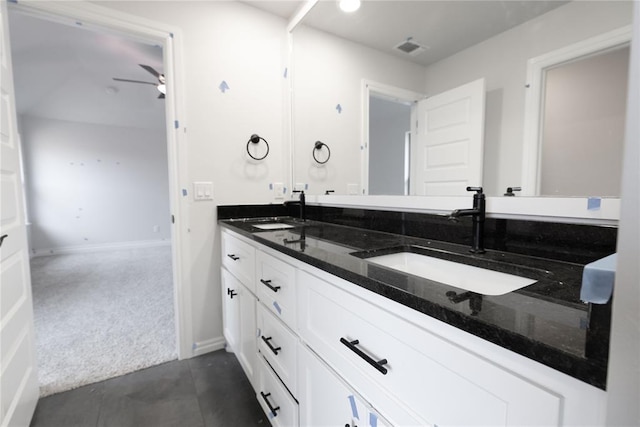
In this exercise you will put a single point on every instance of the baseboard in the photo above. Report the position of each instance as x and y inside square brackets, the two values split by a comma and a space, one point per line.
[66, 250]
[207, 346]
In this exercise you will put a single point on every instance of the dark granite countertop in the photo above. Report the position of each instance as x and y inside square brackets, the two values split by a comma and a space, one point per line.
[545, 321]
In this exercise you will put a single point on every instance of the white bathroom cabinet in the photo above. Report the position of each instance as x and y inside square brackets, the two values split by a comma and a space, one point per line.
[332, 350]
[239, 302]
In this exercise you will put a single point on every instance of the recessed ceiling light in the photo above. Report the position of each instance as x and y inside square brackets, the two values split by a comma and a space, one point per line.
[349, 5]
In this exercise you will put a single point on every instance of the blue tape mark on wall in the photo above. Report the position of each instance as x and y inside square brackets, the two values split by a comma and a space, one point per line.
[13, 1]
[286, 71]
[594, 203]
[78, 23]
[277, 306]
[184, 192]
[284, 190]
[339, 108]
[176, 124]
[373, 420]
[354, 408]
[223, 87]
[270, 186]
[171, 35]
[306, 186]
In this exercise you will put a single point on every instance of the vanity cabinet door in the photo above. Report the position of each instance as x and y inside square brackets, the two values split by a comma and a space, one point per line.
[326, 400]
[389, 361]
[230, 310]
[239, 258]
[239, 323]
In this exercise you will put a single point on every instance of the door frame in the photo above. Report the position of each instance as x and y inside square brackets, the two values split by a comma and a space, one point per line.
[381, 90]
[170, 38]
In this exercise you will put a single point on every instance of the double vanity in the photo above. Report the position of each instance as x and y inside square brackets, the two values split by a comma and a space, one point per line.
[356, 317]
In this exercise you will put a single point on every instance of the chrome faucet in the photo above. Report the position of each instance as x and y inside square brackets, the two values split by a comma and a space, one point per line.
[478, 214]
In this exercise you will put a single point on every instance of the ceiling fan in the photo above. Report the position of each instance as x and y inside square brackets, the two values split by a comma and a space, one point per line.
[160, 85]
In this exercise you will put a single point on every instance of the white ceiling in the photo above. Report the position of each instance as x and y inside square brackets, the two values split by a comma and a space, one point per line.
[446, 27]
[65, 71]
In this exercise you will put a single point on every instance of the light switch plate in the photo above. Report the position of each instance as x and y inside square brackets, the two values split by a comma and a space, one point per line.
[278, 190]
[203, 190]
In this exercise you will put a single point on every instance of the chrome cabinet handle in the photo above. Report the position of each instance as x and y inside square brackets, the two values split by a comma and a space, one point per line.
[267, 283]
[351, 345]
[272, 348]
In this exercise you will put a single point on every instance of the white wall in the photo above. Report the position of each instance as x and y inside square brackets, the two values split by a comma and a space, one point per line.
[623, 380]
[93, 185]
[502, 61]
[328, 71]
[246, 48]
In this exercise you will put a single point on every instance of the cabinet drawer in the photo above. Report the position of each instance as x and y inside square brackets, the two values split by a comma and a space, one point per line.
[240, 259]
[275, 280]
[279, 346]
[275, 400]
[325, 400]
[385, 357]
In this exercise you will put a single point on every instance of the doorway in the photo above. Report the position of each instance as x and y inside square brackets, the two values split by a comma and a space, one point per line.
[388, 113]
[97, 186]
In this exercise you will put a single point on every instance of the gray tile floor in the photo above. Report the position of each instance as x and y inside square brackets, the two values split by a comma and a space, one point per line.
[207, 391]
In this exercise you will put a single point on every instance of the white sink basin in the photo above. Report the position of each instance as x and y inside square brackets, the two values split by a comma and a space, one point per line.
[272, 226]
[467, 277]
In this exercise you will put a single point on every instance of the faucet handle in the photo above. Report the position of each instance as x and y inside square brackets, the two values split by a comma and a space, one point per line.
[476, 189]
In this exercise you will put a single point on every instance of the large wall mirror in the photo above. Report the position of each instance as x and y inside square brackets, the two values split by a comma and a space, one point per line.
[337, 55]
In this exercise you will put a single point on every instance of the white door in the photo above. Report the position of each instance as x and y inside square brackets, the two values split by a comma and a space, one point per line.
[447, 154]
[18, 376]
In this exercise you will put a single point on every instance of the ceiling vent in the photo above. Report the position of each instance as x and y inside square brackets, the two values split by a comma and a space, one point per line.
[410, 47]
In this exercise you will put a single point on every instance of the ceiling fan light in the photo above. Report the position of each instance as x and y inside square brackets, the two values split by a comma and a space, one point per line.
[349, 5]
[162, 88]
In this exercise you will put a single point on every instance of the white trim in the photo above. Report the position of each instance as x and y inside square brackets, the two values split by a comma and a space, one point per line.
[81, 249]
[207, 346]
[142, 29]
[571, 210]
[533, 100]
[385, 91]
[300, 14]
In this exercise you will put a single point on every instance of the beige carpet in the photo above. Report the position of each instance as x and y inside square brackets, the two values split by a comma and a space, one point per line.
[100, 315]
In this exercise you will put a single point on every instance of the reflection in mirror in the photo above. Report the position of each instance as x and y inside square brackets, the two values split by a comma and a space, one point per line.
[333, 54]
[583, 125]
[575, 114]
[389, 145]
